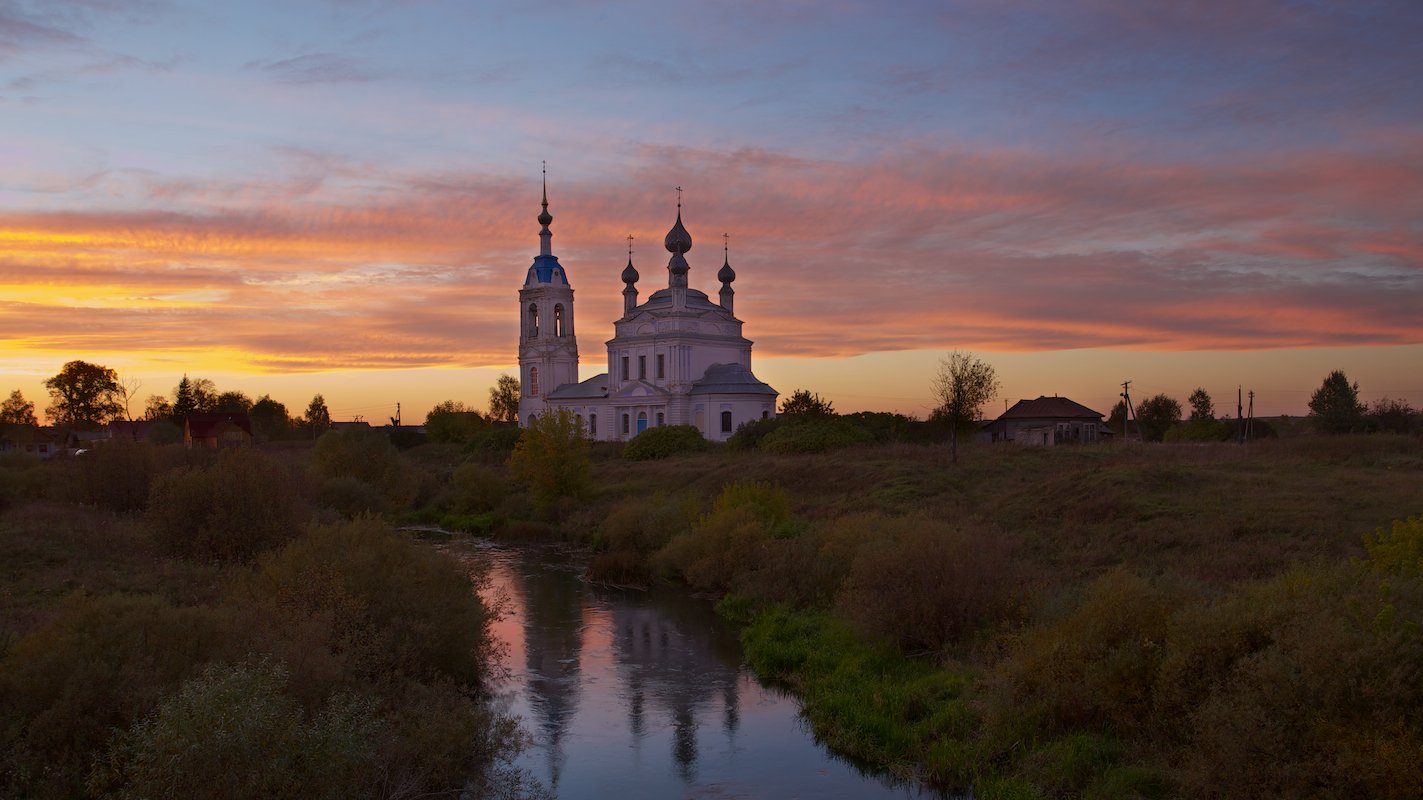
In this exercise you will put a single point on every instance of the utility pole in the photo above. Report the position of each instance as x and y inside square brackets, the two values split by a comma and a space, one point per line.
[1250, 420]
[1130, 415]
[395, 420]
[1239, 416]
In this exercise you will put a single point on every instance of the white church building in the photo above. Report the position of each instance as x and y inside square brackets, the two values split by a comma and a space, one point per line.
[677, 358]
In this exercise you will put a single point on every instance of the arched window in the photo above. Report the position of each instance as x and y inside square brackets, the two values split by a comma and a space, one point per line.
[726, 422]
[592, 424]
[558, 320]
[625, 425]
[532, 419]
[659, 419]
[578, 418]
[533, 381]
[533, 320]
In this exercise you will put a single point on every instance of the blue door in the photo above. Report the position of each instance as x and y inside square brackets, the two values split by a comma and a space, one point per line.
[641, 422]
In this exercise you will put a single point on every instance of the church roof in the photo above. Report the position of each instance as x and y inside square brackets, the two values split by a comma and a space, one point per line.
[730, 379]
[546, 269]
[697, 300]
[595, 388]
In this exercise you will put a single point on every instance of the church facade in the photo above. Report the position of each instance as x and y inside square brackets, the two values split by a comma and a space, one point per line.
[676, 358]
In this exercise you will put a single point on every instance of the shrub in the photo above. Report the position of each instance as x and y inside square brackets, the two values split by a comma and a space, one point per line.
[475, 489]
[368, 456]
[922, 585]
[1399, 550]
[231, 511]
[813, 435]
[1199, 430]
[748, 435]
[100, 664]
[232, 733]
[645, 526]
[359, 600]
[351, 497]
[722, 546]
[808, 570]
[498, 440]
[664, 441]
[552, 458]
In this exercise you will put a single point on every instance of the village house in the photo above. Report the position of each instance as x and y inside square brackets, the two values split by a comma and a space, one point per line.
[1046, 421]
[217, 430]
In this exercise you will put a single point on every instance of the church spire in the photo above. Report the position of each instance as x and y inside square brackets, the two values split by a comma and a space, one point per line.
[726, 274]
[630, 277]
[678, 242]
[545, 235]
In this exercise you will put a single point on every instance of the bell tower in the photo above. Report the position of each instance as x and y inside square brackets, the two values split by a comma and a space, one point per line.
[548, 349]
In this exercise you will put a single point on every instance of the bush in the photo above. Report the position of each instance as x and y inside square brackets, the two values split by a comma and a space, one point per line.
[350, 497]
[808, 570]
[475, 489]
[748, 435]
[664, 441]
[645, 526]
[368, 456]
[358, 600]
[552, 458]
[813, 435]
[722, 546]
[1399, 550]
[1199, 430]
[231, 511]
[497, 440]
[233, 733]
[100, 664]
[922, 585]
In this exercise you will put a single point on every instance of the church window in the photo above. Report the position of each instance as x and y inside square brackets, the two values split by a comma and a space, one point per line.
[642, 368]
[625, 370]
[659, 419]
[626, 424]
[661, 366]
[558, 320]
[578, 418]
[726, 422]
[592, 424]
[533, 381]
[765, 414]
[533, 320]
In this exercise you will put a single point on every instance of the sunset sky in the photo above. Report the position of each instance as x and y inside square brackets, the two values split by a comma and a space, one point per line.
[340, 197]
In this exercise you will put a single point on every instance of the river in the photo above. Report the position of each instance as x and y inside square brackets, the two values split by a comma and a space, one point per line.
[645, 694]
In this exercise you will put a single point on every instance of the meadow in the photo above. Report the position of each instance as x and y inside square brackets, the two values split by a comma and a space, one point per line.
[1116, 621]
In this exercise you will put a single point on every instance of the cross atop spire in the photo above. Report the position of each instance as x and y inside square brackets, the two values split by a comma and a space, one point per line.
[545, 235]
[629, 247]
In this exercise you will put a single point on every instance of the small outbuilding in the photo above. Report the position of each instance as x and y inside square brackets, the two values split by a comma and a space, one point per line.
[1047, 421]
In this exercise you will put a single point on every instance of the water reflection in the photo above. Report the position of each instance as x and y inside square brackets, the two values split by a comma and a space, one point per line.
[644, 694]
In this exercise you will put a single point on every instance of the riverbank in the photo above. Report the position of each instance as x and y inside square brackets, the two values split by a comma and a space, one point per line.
[1132, 621]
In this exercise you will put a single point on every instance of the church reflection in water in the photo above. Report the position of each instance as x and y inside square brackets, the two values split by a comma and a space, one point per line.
[642, 694]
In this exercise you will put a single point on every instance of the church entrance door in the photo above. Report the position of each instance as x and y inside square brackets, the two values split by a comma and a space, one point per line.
[641, 421]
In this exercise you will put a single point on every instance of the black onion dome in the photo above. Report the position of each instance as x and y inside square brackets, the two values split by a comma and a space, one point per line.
[726, 274]
[678, 240]
[677, 265]
[630, 273]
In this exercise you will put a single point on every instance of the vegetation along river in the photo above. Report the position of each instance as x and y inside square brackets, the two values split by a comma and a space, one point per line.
[644, 694]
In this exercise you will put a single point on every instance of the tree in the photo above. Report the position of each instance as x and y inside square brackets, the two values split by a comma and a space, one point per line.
[269, 418]
[1202, 408]
[964, 384]
[504, 399]
[802, 403]
[1393, 416]
[1334, 407]
[83, 395]
[158, 408]
[17, 410]
[183, 401]
[128, 388]
[552, 457]
[318, 418]
[453, 421]
[233, 402]
[1117, 420]
[1156, 415]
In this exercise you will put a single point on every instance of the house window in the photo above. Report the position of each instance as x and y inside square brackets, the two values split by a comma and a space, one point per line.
[533, 320]
[726, 422]
[558, 320]
[533, 381]
[625, 425]
[625, 368]
[642, 368]
[592, 424]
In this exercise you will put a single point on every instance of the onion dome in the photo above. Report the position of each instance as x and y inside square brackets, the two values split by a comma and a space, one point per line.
[678, 240]
[677, 265]
[630, 273]
[726, 274]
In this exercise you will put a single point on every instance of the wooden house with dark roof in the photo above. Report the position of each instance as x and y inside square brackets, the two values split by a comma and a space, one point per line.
[1047, 421]
[217, 430]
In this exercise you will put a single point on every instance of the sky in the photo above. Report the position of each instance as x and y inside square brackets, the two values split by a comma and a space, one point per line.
[303, 197]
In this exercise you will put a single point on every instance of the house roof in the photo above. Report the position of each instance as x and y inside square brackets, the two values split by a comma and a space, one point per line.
[1050, 408]
[203, 426]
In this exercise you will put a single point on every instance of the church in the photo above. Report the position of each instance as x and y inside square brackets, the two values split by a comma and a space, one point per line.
[676, 358]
